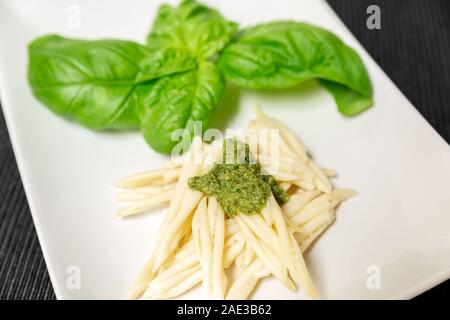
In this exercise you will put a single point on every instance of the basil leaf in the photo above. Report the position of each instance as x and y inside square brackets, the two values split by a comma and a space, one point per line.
[165, 61]
[92, 82]
[177, 101]
[283, 54]
[191, 26]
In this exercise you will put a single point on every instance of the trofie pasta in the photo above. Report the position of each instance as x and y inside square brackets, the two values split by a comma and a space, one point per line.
[198, 241]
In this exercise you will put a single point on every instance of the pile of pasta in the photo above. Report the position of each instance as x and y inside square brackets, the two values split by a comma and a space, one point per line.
[198, 243]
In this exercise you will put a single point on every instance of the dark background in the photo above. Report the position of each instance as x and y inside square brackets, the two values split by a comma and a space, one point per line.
[413, 47]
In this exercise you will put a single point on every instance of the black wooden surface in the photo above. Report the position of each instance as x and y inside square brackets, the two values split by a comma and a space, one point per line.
[412, 46]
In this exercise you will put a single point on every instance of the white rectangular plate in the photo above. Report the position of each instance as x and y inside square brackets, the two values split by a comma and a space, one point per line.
[400, 222]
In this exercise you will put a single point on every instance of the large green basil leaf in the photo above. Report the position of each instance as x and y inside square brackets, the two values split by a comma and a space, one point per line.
[92, 82]
[191, 26]
[283, 54]
[177, 101]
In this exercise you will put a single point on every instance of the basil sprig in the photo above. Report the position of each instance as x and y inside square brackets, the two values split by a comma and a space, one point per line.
[177, 77]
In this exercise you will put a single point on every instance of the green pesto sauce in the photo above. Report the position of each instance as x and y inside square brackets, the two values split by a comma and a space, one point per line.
[238, 182]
